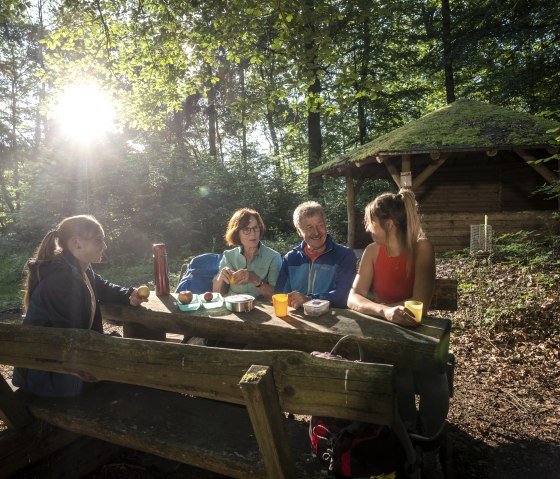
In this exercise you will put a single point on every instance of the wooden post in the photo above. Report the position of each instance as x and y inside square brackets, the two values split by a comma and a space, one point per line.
[262, 403]
[12, 412]
[350, 211]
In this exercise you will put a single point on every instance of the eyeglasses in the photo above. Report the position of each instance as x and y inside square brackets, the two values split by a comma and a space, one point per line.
[248, 230]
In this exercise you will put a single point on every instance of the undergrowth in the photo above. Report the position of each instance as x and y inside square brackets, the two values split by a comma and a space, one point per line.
[515, 287]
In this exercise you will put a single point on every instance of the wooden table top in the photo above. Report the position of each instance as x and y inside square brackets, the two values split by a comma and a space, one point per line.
[423, 348]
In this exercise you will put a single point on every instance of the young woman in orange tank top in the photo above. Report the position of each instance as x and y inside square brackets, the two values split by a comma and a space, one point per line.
[400, 265]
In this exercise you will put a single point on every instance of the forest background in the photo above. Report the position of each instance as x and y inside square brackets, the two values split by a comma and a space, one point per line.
[227, 104]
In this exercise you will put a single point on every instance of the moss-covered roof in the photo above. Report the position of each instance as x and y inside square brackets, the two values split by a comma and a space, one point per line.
[463, 125]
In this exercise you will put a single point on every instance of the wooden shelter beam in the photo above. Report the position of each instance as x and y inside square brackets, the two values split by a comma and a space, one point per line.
[350, 211]
[392, 169]
[405, 163]
[540, 168]
[428, 171]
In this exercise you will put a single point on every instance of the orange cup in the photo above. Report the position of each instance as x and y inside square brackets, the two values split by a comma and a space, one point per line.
[280, 302]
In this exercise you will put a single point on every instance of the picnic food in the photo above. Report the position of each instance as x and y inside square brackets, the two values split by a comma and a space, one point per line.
[143, 291]
[208, 296]
[185, 297]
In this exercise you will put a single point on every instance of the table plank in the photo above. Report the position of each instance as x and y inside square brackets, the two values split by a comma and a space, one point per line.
[424, 348]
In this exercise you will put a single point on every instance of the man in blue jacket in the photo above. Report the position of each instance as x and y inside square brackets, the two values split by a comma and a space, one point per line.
[317, 268]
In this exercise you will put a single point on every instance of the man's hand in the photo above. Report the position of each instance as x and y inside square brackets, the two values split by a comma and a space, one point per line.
[296, 299]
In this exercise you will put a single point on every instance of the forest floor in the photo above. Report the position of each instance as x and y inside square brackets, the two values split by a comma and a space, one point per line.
[505, 412]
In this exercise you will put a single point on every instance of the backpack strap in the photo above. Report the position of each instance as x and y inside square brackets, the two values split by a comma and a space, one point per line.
[349, 337]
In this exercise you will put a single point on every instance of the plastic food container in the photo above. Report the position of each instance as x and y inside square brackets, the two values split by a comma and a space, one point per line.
[192, 306]
[316, 307]
[216, 302]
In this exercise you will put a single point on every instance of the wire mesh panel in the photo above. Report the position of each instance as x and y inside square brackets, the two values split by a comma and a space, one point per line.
[481, 238]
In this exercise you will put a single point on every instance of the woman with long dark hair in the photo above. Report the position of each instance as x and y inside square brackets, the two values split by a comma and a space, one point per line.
[63, 291]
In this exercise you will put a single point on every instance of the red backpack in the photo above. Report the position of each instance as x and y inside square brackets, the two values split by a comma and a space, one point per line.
[354, 449]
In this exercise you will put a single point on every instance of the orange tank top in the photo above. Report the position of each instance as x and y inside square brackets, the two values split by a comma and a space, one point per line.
[390, 282]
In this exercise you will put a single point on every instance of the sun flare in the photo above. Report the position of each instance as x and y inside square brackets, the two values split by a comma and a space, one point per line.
[84, 112]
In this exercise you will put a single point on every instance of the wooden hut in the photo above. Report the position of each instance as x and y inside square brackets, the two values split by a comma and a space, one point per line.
[464, 161]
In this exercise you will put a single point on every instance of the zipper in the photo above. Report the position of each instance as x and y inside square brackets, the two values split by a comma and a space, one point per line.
[310, 279]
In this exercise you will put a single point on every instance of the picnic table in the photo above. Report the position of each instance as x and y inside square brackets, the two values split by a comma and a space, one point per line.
[424, 348]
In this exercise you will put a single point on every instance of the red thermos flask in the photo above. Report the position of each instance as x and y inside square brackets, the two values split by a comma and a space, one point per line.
[161, 272]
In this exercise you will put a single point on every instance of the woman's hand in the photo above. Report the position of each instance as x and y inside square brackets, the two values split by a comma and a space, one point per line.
[401, 316]
[135, 299]
[244, 276]
[225, 275]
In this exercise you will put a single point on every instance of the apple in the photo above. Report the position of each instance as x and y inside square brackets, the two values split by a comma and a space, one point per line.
[143, 291]
[185, 297]
[208, 296]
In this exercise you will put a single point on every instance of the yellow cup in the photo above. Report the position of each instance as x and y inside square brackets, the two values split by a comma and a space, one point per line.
[416, 308]
[280, 302]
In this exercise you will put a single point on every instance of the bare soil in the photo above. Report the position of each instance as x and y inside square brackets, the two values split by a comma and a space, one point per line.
[505, 412]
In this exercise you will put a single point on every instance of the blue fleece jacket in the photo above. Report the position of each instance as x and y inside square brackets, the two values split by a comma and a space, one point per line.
[330, 276]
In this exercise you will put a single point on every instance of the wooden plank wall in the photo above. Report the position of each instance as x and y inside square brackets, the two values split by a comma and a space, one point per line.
[451, 231]
[481, 184]
[469, 186]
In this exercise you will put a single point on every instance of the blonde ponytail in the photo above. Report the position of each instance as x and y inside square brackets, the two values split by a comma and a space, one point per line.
[47, 251]
[414, 230]
[402, 209]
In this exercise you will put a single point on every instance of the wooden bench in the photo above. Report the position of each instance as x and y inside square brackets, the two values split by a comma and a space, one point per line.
[217, 409]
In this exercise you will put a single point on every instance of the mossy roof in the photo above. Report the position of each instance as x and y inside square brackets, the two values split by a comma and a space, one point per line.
[461, 126]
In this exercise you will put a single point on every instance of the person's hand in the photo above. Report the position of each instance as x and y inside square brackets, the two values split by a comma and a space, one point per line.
[244, 276]
[135, 299]
[401, 316]
[296, 299]
[225, 275]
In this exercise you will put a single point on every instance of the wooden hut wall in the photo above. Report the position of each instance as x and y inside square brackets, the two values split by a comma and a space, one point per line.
[451, 231]
[469, 186]
[478, 183]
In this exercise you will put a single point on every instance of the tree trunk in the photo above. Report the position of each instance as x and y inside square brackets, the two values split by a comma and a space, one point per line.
[315, 139]
[267, 76]
[447, 51]
[212, 150]
[242, 66]
[362, 121]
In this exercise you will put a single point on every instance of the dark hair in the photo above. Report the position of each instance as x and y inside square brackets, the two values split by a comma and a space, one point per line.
[56, 241]
[402, 208]
[238, 221]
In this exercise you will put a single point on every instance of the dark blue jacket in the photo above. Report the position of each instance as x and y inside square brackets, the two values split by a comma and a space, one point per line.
[60, 299]
[330, 276]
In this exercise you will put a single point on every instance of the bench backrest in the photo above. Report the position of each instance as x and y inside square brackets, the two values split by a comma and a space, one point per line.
[305, 384]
